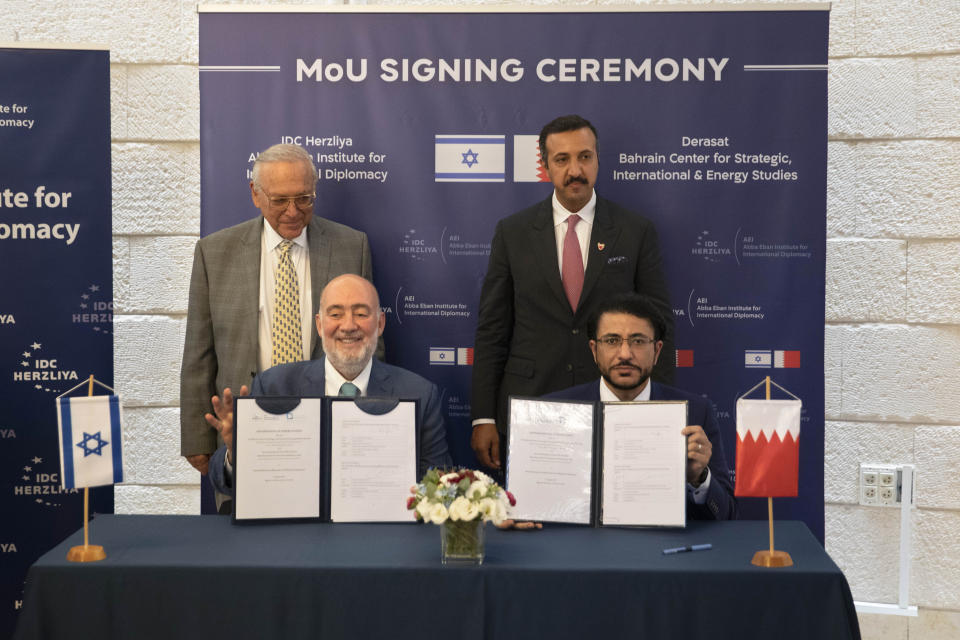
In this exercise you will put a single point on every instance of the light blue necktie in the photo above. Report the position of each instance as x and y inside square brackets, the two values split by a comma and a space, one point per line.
[349, 390]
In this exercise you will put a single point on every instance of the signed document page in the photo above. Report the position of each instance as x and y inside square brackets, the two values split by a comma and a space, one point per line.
[373, 462]
[550, 466]
[277, 470]
[644, 464]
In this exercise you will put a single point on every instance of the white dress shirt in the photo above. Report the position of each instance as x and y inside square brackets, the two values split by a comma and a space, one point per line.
[333, 380]
[583, 228]
[270, 242]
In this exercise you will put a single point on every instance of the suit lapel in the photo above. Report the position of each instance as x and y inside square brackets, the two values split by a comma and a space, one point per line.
[247, 274]
[381, 382]
[603, 238]
[318, 244]
[314, 378]
[543, 239]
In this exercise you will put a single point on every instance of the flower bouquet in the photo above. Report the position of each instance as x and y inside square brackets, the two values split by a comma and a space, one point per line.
[461, 502]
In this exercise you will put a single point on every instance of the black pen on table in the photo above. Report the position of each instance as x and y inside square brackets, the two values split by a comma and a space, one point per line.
[693, 547]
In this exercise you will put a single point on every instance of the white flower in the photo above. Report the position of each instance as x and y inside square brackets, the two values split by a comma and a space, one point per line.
[463, 509]
[423, 508]
[438, 513]
[500, 512]
[488, 508]
[482, 477]
[477, 490]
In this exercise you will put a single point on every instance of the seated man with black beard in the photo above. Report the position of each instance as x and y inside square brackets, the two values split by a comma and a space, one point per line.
[349, 322]
[626, 336]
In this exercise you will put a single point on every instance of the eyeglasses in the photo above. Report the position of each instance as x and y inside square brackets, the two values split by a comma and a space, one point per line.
[302, 201]
[635, 343]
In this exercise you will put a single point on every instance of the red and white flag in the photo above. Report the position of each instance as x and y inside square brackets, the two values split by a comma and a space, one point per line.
[684, 357]
[786, 359]
[768, 448]
[527, 163]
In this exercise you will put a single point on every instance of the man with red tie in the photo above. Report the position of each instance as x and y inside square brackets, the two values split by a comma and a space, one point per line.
[550, 266]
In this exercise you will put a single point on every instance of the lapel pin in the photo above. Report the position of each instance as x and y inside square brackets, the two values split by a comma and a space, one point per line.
[600, 246]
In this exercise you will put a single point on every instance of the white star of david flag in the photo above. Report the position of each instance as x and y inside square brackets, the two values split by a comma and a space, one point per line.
[469, 158]
[91, 441]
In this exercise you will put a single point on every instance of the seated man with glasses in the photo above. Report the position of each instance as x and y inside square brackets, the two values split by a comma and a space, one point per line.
[255, 290]
[626, 336]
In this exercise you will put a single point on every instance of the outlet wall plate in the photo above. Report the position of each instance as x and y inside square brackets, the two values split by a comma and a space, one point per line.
[881, 484]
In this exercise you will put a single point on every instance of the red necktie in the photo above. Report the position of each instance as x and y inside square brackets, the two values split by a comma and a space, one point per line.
[572, 271]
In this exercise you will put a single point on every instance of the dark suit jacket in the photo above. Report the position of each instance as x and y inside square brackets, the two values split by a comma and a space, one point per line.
[221, 343]
[529, 342]
[307, 378]
[720, 504]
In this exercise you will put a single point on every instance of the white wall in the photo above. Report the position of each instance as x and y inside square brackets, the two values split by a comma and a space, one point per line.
[893, 267]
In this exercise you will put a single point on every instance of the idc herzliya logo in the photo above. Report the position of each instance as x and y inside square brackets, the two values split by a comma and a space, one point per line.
[42, 371]
[39, 481]
[94, 310]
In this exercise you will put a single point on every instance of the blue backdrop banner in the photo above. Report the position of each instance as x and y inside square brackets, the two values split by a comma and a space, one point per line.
[423, 125]
[56, 310]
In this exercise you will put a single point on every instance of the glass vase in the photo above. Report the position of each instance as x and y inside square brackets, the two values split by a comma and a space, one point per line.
[462, 542]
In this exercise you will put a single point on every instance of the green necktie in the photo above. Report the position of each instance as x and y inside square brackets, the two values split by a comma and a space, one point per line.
[349, 390]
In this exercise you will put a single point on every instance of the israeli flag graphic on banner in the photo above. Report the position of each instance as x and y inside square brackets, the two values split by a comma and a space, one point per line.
[469, 158]
[91, 441]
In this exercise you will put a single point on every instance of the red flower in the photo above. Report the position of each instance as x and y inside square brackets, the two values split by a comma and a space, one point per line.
[410, 502]
[513, 501]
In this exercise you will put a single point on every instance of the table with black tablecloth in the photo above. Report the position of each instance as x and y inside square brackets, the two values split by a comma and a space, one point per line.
[204, 577]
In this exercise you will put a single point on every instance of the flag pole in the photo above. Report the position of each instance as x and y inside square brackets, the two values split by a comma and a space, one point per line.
[88, 552]
[771, 558]
[770, 498]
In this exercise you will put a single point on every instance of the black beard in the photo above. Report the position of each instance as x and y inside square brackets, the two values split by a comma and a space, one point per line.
[626, 387]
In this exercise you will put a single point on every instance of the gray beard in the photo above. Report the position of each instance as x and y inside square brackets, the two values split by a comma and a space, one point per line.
[349, 367]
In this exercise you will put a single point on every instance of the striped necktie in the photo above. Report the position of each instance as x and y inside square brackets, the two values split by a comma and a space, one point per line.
[286, 332]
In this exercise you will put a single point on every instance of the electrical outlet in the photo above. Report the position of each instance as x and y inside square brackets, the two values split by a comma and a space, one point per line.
[887, 496]
[881, 485]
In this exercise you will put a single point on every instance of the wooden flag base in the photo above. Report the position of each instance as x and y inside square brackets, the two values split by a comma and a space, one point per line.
[765, 558]
[86, 553]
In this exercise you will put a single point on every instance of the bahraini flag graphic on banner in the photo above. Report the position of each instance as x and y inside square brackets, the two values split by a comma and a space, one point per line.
[91, 441]
[786, 359]
[768, 448]
[527, 164]
[469, 158]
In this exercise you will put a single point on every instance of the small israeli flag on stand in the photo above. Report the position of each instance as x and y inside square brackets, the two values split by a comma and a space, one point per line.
[91, 441]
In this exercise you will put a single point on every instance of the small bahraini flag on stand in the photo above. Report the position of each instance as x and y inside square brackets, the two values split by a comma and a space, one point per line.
[91, 437]
[768, 448]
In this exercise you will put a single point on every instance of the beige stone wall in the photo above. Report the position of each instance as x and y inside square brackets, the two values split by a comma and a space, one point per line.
[893, 267]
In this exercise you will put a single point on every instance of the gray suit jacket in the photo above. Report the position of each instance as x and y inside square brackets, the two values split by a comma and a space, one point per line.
[220, 347]
[386, 381]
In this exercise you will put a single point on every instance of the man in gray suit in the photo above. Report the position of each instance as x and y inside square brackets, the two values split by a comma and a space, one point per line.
[349, 323]
[237, 309]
